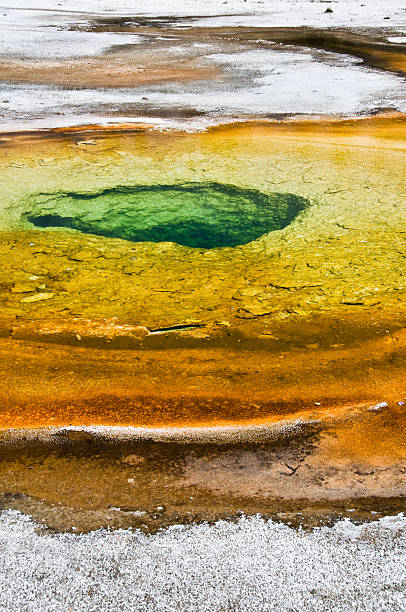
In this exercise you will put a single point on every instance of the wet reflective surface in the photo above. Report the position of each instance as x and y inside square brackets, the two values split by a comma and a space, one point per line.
[205, 215]
[302, 473]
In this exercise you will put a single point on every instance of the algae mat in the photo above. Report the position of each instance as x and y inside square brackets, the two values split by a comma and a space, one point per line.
[347, 247]
[328, 277]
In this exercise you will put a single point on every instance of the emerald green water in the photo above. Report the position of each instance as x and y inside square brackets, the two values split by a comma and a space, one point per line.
[204, 215]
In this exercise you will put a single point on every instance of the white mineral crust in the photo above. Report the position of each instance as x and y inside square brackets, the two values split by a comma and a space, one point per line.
[246, 566]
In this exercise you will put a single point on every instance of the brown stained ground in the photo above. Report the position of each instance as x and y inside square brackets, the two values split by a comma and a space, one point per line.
[368, 45]
[150, 62]
[312, 475]
[118, 71]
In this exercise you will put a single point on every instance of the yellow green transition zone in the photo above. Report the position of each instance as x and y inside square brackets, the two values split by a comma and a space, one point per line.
[239, 274]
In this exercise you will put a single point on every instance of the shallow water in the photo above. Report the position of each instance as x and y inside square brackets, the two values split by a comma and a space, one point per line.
[304, 472]
[205, 215]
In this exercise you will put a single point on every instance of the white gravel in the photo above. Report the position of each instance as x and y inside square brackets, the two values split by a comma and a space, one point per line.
[253, 565]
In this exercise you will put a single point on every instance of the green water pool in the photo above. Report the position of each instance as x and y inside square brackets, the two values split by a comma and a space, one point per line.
[204, 215]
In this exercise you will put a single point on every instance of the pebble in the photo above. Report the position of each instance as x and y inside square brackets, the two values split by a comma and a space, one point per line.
[38, 297]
